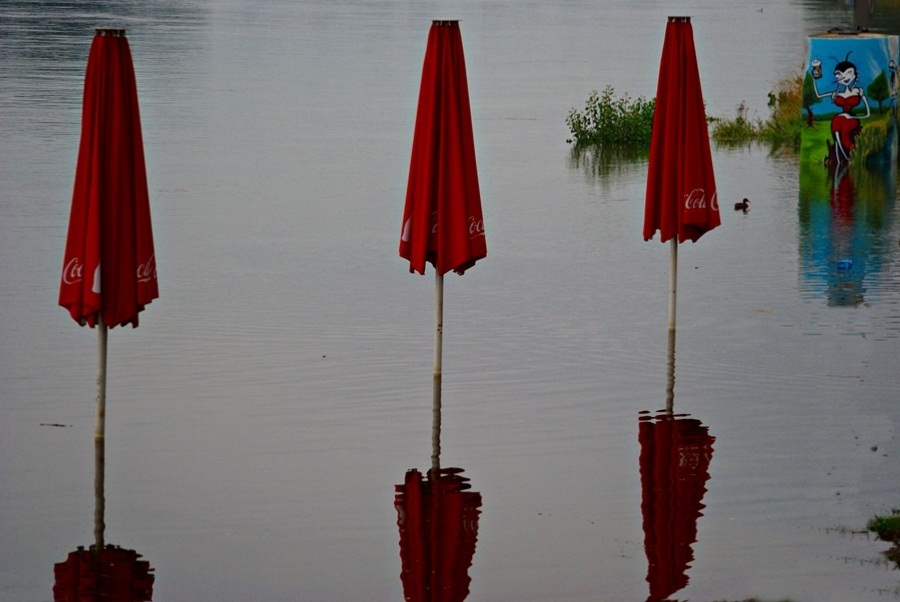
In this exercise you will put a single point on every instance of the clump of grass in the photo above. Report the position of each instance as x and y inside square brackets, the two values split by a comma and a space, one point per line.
[781, 130]
[608, 120]
[785, 121]
[735, 131]
[624, 122]
[887, 528]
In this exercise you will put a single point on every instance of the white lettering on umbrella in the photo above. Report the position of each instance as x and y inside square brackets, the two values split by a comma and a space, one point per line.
[73, 271]
[147, 271]
[714, 202]
[407, 227]
[696, 199]
[476, 227]
[96, 287]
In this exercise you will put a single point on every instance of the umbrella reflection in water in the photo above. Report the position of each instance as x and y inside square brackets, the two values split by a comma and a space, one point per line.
[438, 519]
[675, 454]
[104, 572]
[114, 574]
[437, 515]
[674, 464]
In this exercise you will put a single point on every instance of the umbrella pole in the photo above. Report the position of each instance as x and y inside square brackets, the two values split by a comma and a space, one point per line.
[100, 437]
[438, 361]
[673, 288]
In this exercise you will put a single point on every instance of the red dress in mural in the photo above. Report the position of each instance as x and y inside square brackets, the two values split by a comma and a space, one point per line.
[845, 127]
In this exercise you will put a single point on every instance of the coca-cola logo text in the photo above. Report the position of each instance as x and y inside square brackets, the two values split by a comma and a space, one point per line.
[147, 271]
[73, 271]
[696, 199]
[476, 227]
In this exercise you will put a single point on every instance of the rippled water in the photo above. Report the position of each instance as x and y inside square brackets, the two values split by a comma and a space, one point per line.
[261, 416]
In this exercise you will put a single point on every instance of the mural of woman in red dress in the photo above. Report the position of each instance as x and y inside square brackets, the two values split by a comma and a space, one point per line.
[847, 95]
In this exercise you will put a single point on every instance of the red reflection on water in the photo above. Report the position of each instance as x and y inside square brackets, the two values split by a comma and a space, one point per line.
[114, 575]
[674, 465]
[438, 520]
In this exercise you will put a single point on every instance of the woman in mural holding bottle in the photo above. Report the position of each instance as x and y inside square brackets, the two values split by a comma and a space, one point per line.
[845, 126]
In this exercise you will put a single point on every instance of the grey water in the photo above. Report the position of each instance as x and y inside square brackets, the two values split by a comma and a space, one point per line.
[260, 417]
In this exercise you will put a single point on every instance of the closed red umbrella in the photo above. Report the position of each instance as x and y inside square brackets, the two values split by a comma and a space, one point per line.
[681, 188]
[438, 521]
[674, 465]
[681, 202]
[109, 268]
[442, 219]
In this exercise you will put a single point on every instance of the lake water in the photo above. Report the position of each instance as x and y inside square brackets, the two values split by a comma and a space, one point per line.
[280, 387]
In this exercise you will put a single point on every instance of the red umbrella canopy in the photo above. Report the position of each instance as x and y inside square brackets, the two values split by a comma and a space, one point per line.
[438, 520]
[114, 574]
[674, 464]
[109, 268]
[681, 188]
[442, 220]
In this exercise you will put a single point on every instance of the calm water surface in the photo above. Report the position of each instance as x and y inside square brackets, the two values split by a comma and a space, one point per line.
[279, 389]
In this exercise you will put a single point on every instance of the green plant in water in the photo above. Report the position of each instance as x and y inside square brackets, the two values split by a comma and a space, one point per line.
[734, 131]
[623, 122]
[887, 528]
[781, 130]
[613, 121]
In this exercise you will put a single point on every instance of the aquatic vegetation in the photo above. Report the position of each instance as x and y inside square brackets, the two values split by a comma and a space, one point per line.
[781, 130]
[623, 122]
[610, 120]
[887, 528]
[734, 132]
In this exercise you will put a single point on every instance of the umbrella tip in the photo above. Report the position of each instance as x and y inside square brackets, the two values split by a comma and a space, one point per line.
[445, 22]
[679, 19]
[116, 32]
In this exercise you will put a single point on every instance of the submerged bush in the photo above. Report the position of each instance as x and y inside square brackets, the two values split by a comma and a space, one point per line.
[781, 130]
[887, 527]
[623, 122]
[613, 121]
[785, 122]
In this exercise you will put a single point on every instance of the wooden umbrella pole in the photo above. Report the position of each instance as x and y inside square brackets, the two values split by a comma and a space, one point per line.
[438, 361]
[100, 437]
[673, 281]
[673, 289]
